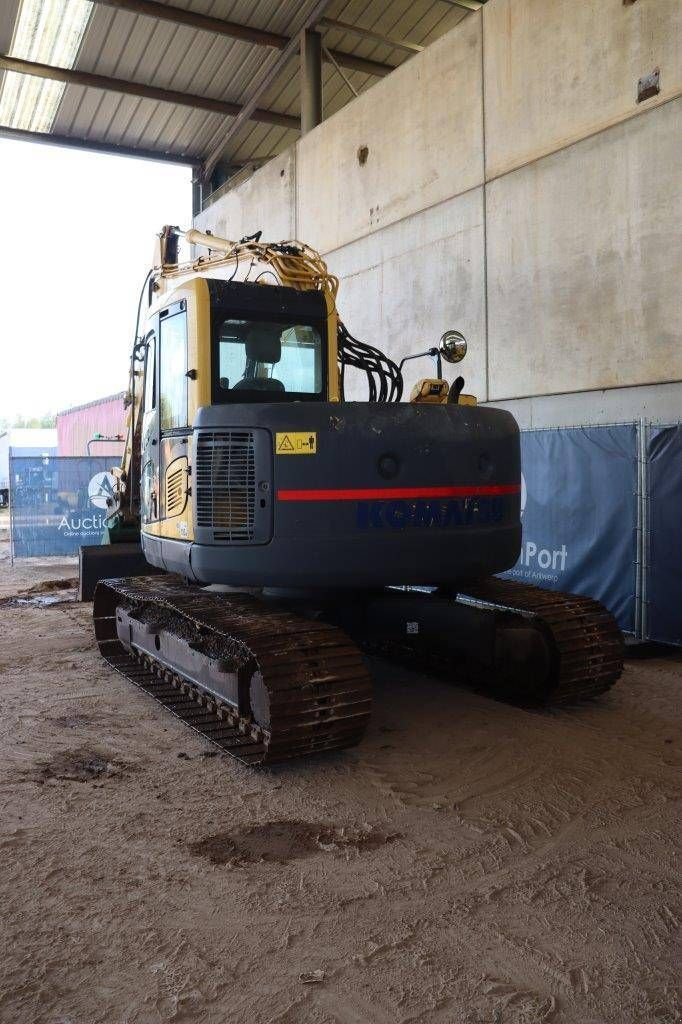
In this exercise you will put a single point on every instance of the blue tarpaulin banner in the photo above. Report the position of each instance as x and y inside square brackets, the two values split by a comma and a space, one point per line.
[579, 514]
[58, 503]
[664, 535]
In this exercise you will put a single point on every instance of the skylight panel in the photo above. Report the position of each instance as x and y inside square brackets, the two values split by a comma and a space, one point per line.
[47, 32]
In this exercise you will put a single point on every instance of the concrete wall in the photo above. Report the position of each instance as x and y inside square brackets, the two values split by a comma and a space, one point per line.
[386, 295]
[584, 262]
[435, 96]
[266, 200]
[513, 188]
[557, 71]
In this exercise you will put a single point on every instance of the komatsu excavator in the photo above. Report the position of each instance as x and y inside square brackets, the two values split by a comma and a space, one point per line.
[327, 527]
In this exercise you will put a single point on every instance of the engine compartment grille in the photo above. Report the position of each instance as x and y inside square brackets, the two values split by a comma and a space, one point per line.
[175, 487]
[226, 484]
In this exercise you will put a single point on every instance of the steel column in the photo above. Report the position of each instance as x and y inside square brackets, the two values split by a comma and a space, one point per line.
[197, 190]
[275, 68]
[311, 80]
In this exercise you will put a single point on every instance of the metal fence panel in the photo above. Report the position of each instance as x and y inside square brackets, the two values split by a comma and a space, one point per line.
[663, 593]
[580, 503]
[580, 512]
[57, 503]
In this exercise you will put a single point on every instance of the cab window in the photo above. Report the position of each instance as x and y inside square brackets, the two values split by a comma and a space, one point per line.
[173, 370]
[259, 360]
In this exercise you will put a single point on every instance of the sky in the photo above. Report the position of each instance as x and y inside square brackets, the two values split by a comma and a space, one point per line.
[76, 241]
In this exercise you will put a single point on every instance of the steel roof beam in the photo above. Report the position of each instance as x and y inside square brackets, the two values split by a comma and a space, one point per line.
[467, 5]
[366, 33]
[91, 145]
[73, 76]
[233, 29]
[181, 16]
[340, 72]
[275, 68]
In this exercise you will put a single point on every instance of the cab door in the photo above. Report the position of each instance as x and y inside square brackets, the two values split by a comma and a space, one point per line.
[149, 491]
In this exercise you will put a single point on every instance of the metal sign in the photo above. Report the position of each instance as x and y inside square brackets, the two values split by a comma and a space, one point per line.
[57, 503]
[579, 502]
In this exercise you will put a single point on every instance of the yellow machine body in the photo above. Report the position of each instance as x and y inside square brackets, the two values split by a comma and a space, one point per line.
[171, 493]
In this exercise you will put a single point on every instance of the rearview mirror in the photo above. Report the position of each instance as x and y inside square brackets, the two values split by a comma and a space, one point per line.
[453, 346]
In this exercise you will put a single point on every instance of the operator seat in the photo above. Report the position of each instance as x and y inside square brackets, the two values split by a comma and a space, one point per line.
[259, 384]
[263, 344]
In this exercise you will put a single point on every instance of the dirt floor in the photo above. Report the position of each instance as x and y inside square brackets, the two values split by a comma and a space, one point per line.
[470, 862]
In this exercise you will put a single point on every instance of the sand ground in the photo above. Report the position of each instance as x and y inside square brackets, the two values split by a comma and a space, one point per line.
[470, 862]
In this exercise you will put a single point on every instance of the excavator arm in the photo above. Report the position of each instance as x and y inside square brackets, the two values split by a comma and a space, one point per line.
[123, 519]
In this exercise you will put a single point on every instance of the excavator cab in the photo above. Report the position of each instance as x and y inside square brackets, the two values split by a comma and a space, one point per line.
[282, 358]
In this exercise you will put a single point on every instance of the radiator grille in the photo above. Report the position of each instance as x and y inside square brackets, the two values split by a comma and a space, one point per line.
[175, 487]
[226, 484]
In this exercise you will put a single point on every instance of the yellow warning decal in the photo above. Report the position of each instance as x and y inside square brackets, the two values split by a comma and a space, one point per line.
[296, 443]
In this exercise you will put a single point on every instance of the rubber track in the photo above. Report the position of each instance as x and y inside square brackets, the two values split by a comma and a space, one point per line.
[587, 643]
[587, 646]
[318, 686]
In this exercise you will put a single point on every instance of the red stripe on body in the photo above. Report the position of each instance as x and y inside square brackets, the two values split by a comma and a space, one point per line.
[381, 493]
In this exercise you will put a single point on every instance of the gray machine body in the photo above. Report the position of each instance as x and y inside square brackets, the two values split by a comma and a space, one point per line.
[365, 495]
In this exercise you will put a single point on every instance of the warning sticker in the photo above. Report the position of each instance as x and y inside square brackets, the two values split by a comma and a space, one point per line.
[296, 443]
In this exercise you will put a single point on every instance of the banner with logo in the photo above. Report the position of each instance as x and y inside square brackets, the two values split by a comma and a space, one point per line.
[663, 613]
[58, 503]
[579, 513]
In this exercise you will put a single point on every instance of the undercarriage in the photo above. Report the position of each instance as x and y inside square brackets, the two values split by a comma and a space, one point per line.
[268, 680]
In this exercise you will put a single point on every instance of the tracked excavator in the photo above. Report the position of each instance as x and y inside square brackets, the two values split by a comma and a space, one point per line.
[292, 530]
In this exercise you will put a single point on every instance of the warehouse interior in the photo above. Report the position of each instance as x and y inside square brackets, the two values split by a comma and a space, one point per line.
[501, 176]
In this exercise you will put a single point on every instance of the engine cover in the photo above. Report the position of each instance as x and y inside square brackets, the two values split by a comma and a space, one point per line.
[352, 494]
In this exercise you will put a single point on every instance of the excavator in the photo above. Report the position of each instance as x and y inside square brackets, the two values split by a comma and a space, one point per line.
[285, 531]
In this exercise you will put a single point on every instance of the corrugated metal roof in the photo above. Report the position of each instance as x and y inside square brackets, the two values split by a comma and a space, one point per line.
[157, 52]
